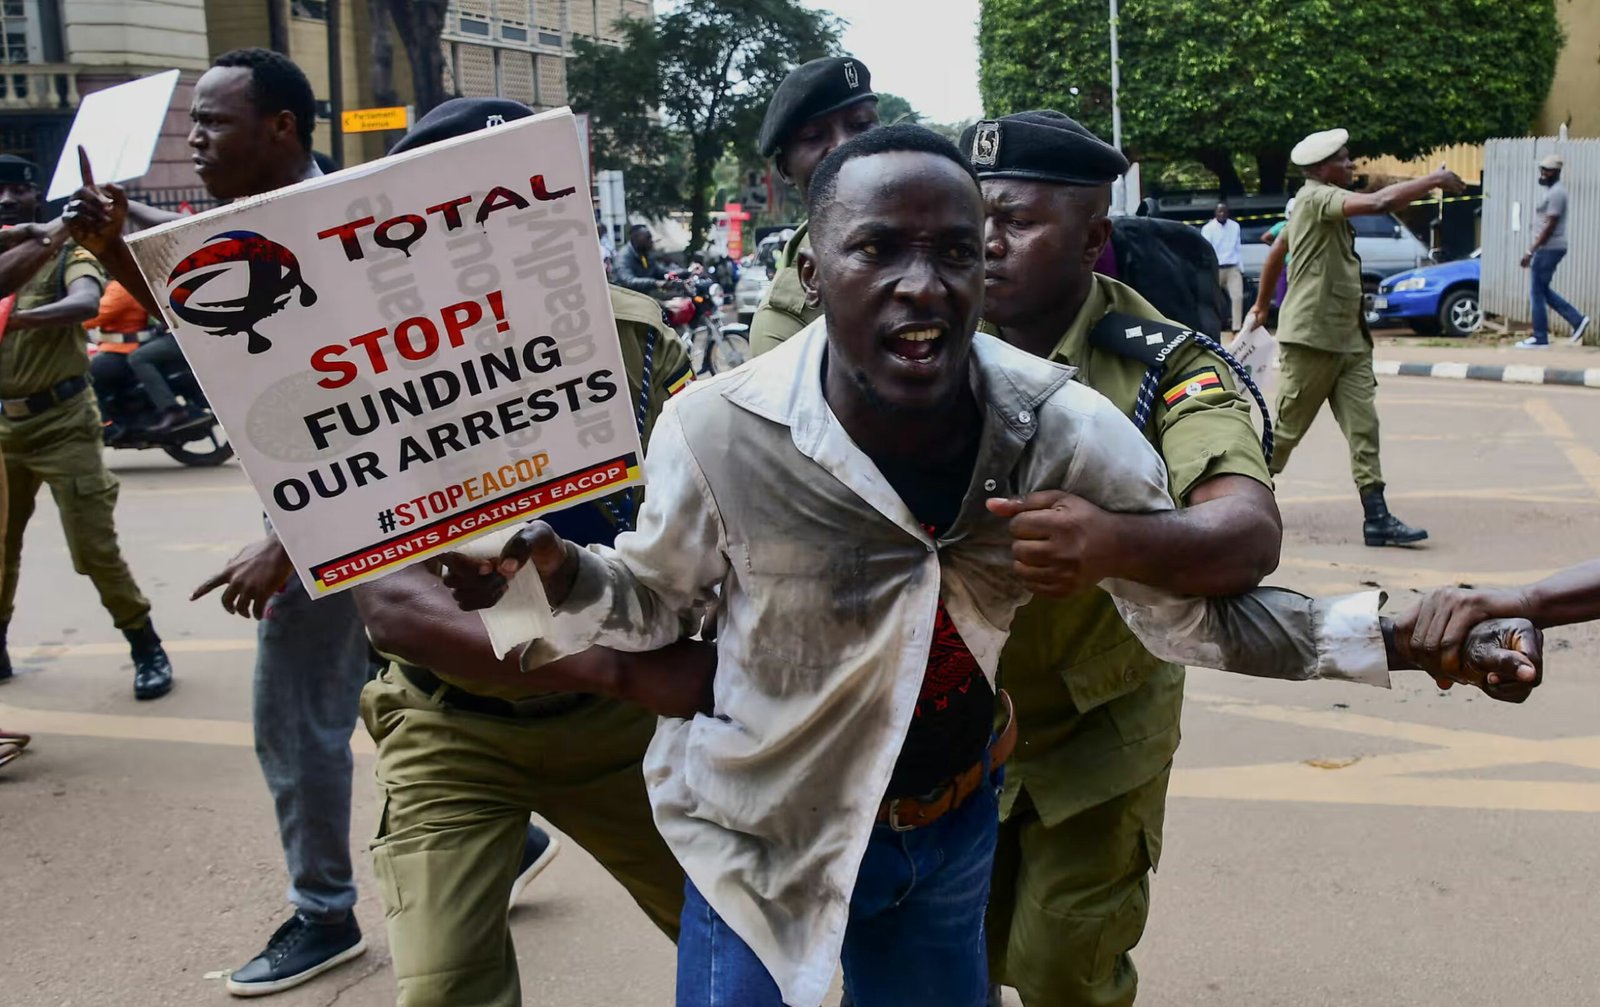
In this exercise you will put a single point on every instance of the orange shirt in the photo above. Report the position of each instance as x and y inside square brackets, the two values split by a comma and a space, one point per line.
[120, 313]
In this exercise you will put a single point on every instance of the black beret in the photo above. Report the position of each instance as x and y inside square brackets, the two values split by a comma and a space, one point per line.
[458, 117]
[813, 89]
[1044, 145]
[18, 171]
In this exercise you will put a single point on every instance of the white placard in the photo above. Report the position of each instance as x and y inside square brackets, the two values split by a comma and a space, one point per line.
[410, 353]
[119, 127]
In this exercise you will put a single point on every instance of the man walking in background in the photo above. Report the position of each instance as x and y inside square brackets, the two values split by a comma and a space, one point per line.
[1545, 254]
[1223, 233]
[1325, 348]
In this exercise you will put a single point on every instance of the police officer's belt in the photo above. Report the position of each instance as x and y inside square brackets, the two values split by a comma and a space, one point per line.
[33, 405]
[903, 814]
[470, 702]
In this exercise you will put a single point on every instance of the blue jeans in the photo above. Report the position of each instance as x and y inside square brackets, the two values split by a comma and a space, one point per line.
[915, 934]
[1542, 270]
[311, 663]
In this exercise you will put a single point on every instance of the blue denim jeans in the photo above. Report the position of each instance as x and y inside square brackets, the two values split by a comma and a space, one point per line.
[1542, 271]
[915, 934]
[311, 663]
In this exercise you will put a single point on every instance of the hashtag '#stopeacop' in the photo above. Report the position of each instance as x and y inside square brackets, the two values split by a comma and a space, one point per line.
[386, 522]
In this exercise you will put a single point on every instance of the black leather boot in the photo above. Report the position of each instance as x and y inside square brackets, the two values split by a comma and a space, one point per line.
[5, 654]
[1381, 527]
[152, 672]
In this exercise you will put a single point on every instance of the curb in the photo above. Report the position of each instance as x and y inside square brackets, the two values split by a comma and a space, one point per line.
[1521, 374]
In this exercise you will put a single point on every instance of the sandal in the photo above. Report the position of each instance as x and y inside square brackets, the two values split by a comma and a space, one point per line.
[8, 752]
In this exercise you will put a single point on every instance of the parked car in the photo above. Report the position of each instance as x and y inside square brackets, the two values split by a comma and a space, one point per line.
[758, 271]
[1433, 299]
[1384, 245]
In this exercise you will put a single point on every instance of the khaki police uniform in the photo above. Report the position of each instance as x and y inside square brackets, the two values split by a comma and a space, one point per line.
[1098, 715]
[460, 768]
[784, 311]
[1324, 347]
[51, 435]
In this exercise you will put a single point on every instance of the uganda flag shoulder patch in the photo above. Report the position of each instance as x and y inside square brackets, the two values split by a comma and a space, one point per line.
[679, 381]
[1194, 383]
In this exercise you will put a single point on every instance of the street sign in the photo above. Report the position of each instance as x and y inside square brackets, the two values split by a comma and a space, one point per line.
[372, 120]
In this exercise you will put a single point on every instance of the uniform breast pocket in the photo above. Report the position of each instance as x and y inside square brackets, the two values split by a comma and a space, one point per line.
[803, 605]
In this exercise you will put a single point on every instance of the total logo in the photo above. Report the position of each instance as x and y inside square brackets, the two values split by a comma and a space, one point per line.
[234, 282]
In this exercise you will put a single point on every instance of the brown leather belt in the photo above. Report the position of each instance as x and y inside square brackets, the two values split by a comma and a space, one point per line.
[903, 814]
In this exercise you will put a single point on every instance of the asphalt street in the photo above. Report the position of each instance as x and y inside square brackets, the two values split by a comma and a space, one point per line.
[1326, 843]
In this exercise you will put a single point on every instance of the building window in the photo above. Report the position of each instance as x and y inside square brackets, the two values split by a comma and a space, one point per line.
[471, 26]
[513, 34]
[16, 43]
[550, 39]
[13, 10]
[314, 10]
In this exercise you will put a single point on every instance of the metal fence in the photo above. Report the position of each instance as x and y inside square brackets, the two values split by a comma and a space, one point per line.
[1511, 190]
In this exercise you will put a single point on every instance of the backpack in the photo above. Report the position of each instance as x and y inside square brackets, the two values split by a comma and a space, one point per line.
[1172, 266]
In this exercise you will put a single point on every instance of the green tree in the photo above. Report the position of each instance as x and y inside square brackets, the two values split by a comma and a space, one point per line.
[892, 108]
[1203, 80]
[620, 89]
[707, 69]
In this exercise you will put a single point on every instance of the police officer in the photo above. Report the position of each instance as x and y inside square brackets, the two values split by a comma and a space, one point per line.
[1098, 714]
[50, 429]
[1325, 348]
[819, 106]
[468, 745]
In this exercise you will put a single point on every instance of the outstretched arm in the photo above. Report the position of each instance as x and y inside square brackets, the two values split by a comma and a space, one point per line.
[1401, 194]
[81, 304]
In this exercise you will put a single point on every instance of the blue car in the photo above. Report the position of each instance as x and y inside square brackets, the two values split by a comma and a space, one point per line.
[1432, 299]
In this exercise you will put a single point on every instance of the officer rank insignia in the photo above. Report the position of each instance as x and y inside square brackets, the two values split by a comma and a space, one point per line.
[1194, 383]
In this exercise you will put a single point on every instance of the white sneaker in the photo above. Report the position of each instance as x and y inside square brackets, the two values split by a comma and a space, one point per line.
[1531, 344]
[1577, 334]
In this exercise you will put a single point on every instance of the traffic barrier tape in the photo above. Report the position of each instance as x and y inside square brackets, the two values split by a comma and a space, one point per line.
[1279, 216]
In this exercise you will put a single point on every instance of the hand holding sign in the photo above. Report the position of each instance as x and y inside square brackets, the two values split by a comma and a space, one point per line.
[97, 213]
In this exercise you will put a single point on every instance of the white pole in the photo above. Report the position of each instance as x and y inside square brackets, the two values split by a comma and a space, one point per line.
[1118, 188]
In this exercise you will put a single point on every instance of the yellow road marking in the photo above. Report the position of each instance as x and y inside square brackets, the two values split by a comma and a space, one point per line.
[1395, 576]
[123, 727]
[1585, 461]
[1509, 494]
[1396, 779]
[56, 651]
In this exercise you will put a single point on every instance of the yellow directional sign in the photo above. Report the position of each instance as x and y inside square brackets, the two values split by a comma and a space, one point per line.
[370, 120]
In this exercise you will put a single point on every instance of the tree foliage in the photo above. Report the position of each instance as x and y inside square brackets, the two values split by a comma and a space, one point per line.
[1203, 80]
[892, 108]
[708, 67]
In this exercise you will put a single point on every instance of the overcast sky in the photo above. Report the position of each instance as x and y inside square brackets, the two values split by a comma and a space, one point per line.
[926, 51]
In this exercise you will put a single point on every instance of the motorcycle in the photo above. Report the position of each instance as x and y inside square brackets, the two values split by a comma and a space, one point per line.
[129, 415]
[696, 312]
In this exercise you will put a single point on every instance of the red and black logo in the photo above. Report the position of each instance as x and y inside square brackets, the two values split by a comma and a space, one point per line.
[271, 277]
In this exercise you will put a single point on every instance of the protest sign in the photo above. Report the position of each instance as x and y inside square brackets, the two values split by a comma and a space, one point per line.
[119, 127]
[409, 353]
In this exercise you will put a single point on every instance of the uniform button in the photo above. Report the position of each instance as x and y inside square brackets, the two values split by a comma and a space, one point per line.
[989, 485]
[1024, 417]
[1127, 676]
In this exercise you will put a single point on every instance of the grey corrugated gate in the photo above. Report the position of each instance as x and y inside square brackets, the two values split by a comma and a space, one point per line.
[1511, 190]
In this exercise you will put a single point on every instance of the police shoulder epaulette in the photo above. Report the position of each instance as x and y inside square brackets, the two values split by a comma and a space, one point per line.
[632, 306]
[1149, 341]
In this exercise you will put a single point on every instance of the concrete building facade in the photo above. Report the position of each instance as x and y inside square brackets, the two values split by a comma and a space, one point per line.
[53, 52]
